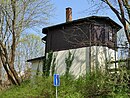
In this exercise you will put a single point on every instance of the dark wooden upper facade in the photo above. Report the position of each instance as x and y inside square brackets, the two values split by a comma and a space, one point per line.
[90, 31]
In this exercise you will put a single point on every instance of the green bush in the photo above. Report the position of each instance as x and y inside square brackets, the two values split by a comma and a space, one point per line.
[93, 85]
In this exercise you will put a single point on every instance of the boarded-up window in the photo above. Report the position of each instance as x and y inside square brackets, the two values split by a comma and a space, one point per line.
[98, 33]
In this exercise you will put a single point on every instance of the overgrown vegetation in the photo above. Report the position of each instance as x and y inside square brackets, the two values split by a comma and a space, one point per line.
[94, 85]
[68, 62]
[47, 64]
[53, 65]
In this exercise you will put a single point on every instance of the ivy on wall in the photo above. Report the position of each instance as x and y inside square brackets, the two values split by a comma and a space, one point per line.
[47, 64]
[68, 62]
[53, 65]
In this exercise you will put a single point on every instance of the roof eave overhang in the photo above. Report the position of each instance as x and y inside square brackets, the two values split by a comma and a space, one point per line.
[46, 29]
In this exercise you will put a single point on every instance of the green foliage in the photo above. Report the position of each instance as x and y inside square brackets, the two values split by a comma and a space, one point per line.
[94, 85]
[99, 84]
[120, 83]
[53, 65]
[47, 64]
[68, 62]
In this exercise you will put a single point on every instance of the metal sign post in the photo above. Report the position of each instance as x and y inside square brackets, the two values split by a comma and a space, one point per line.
[56, 82]
[56, 93]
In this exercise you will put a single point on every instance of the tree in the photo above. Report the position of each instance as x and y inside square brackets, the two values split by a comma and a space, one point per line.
[123, 14]
[30, 46]
[121, 9]
[16, 16]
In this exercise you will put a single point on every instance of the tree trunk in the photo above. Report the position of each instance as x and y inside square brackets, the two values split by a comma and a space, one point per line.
[11, 67]
[10, 77]
[128, 66]
[0, 71]
[12, 74]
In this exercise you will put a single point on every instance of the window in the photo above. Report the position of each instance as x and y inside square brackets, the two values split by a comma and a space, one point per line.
[110, 36]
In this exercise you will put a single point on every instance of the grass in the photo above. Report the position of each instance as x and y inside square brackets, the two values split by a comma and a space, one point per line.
[89, 86]
[29, 89]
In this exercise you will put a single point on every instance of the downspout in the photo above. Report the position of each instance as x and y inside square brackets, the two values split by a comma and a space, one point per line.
[44, 60]
[115, 44]
[90, 48]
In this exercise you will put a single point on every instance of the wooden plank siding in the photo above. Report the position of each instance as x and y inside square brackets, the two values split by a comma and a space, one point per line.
[78, 35]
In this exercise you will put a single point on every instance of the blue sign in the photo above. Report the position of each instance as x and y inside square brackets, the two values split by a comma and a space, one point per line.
[56, 80]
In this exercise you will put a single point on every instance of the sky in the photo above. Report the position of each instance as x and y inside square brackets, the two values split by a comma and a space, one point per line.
[79, 8]
[78, 11]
